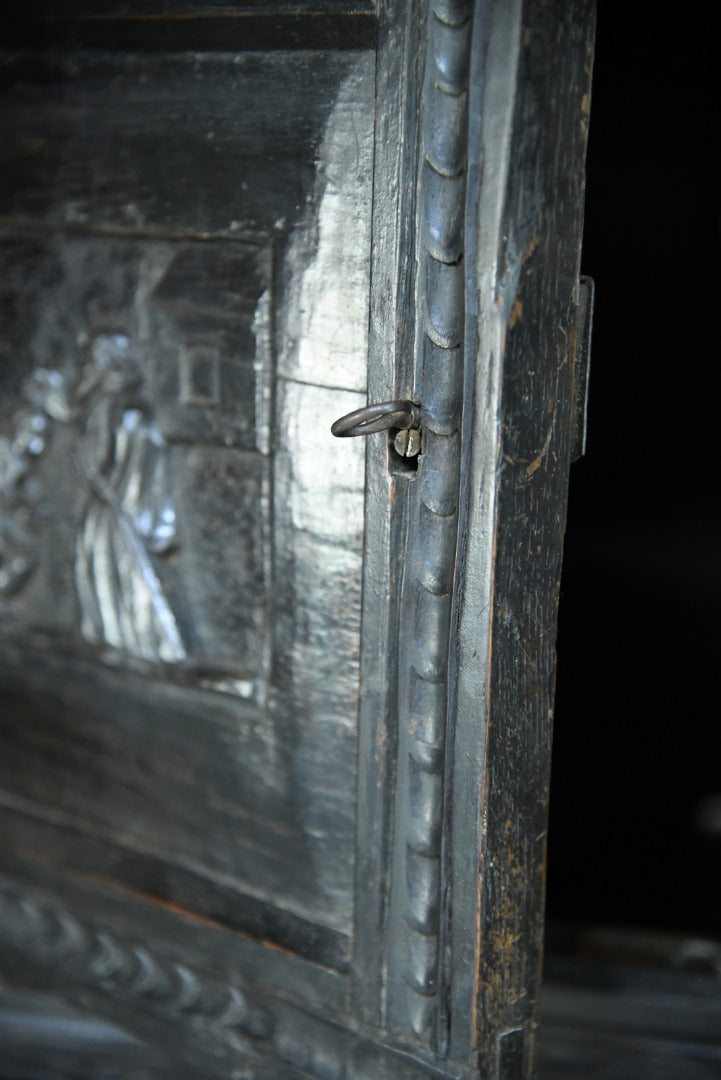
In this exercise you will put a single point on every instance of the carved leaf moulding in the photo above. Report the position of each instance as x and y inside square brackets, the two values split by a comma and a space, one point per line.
[126, 969]
[93, 954]
[441, 284]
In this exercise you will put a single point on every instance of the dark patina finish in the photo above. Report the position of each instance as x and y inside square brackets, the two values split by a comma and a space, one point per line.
[275, 734]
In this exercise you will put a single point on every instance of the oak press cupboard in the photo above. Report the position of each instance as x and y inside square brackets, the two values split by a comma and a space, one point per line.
[275, 706]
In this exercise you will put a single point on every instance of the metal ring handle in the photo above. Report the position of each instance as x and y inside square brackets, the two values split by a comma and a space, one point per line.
[388, 414]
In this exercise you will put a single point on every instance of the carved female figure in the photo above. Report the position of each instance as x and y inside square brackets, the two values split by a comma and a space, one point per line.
[128, 522]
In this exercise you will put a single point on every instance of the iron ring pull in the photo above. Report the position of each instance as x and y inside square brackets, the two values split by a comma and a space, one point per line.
[400, 415]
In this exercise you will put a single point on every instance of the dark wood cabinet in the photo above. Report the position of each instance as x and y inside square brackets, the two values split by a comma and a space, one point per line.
[276, 707]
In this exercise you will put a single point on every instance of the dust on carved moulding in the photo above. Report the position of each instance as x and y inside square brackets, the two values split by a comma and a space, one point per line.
[134, 436]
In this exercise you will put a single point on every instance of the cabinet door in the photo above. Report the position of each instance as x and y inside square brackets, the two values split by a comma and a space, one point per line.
[274, 747]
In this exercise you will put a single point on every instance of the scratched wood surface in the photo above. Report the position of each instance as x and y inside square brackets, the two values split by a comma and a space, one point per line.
[535, 288]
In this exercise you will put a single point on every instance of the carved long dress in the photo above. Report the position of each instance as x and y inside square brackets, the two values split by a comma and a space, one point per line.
[128, 525]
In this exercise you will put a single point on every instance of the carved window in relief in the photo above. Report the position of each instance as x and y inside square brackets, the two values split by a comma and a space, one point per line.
[134, 476]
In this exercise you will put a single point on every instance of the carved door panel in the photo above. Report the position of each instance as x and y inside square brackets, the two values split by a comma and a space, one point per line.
[275, 707]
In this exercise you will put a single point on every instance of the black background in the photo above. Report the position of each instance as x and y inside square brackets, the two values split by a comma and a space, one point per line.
[637, 744]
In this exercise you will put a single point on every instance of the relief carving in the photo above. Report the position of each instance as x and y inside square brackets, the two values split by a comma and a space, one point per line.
[135, 454]
[46, 401]
[127, 523]
[96, 955]
[182, 477]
